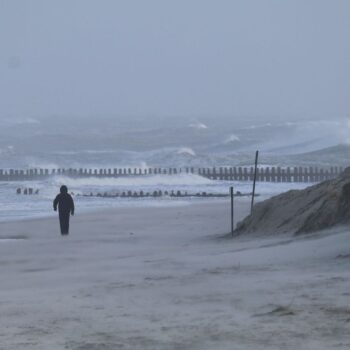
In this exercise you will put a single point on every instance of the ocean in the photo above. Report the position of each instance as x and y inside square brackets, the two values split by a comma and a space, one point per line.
[111, 142]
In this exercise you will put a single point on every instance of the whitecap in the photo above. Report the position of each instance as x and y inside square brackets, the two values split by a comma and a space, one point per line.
[232, 138]
[186, 151]
[198, 126]
[132, 181]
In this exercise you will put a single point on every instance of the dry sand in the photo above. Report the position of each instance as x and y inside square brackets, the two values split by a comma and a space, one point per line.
[165, 278]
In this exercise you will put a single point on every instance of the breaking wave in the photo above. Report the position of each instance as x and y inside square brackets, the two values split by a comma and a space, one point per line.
[154, 180]
[232, 139]
[198, 126]
[186, 151]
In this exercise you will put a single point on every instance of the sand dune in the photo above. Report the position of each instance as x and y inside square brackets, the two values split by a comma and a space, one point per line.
[312, 209]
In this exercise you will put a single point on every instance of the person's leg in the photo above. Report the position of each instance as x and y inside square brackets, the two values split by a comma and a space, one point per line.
[61, 223]
[67, 223]
[64, 223]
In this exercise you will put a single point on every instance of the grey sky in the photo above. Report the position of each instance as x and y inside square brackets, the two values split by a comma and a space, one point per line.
[180, 57]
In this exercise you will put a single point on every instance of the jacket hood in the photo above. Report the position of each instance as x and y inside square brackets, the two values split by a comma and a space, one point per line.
[64, 189]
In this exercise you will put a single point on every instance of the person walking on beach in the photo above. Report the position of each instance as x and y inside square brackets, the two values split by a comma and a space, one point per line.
[65, 204]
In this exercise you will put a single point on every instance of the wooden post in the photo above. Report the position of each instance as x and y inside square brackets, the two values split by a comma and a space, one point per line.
[295, 175]
[256, 168]
[240, 174]
[300, 174]
[273, 174]
[235, 177]
[245, 174]
[232, 211]
[283, 175]
[251, 174]
[313, 174]
[260, 174]
[322, 177]
[318, 177]
[279, 175]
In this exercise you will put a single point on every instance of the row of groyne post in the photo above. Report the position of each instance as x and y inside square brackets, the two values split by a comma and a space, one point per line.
[264, 174]
[160, 193]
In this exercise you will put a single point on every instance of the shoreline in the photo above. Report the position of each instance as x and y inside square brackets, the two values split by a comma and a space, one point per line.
[123, 206]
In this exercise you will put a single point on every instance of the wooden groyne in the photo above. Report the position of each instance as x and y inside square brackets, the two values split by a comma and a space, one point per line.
[264, 174]
[160, 193]
[141, 194]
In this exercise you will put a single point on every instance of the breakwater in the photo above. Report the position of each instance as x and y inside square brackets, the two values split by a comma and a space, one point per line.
[264, 174]
[160, 193]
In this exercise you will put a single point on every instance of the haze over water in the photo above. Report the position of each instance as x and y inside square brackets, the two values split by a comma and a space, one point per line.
[171, 84]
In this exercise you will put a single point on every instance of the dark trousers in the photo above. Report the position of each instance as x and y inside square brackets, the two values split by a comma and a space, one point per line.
[64, 222]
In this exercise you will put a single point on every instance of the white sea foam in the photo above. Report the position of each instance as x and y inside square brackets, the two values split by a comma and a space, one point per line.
[30, 121]
[32, 163]
[186, 151]
[132, 181]
[87, 151]
[198, 126]
[232, 138]
[19, 121]
[8, 150]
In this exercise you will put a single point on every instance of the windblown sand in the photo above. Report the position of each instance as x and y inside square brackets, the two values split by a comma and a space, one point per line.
[167, 278]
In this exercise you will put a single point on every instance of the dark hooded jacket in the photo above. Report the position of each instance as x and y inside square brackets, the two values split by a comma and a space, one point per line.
[64, 201]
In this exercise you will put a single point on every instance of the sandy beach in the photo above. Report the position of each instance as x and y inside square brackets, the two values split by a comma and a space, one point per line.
[169, 278]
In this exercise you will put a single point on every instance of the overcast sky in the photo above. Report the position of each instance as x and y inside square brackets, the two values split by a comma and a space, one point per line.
[181, 57]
